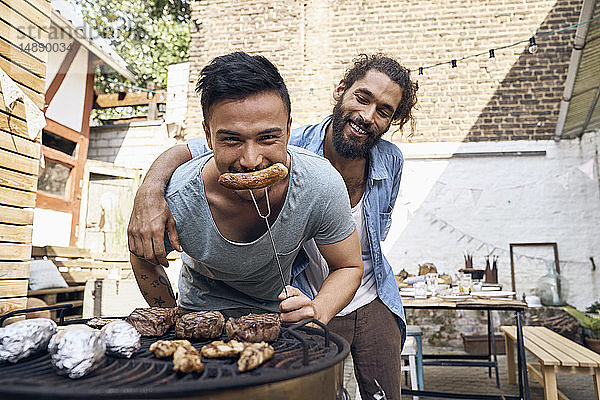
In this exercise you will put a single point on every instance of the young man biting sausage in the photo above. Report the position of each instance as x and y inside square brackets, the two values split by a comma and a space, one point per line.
[228, 261]
[375, 92]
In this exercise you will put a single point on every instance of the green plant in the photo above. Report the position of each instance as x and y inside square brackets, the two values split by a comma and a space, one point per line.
[591, 321]
[594, 307]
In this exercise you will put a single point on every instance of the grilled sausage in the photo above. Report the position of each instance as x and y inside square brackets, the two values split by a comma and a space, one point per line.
[254, 180]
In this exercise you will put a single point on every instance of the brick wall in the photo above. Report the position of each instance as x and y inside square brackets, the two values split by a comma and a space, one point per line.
[514, 96]
[133, 145]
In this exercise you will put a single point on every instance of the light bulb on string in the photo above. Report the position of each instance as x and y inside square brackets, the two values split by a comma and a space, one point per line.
[420, 70]
[453, 63]
[149, 95]
[492, 54]
[533, 48]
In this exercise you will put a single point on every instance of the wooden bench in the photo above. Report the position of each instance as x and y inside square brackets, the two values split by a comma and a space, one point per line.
[555, 354]
[77, 266]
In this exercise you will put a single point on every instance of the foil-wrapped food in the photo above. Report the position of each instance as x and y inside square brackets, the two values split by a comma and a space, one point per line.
[121, 339]
[76, 351]
[23, 338]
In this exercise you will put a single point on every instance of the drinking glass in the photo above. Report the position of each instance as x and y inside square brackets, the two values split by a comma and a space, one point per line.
[466, 283]
[431, 279]
[420, 290]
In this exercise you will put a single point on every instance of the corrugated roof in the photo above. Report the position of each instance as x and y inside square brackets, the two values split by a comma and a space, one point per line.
[66, 18]
[583, 112]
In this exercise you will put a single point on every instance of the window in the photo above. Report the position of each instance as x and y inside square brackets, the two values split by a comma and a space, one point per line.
[54, 178]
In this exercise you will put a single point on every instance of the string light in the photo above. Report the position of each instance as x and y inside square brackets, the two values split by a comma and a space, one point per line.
[533, 47]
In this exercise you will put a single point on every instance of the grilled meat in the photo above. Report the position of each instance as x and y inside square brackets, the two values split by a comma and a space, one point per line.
[153, 321]
[254, 355]
[219, 348]
[166, 348]
[187, 360]
[254, 327]
[200, 325]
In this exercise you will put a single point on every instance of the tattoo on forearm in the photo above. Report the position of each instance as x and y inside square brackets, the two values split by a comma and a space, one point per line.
[158, 301]
[165, 282]
[155, 283]
[144, 276]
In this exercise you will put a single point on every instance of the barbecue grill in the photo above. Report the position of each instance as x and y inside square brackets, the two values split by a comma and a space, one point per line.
[308, 364]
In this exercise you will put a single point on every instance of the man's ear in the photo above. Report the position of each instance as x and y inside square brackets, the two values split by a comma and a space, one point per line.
[338, 92]
[207, 134]
[289, 131]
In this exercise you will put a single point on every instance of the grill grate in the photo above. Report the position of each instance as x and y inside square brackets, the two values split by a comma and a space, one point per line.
[299, 351]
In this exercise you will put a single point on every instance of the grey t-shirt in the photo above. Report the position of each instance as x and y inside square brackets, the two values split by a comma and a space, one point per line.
[218, 274]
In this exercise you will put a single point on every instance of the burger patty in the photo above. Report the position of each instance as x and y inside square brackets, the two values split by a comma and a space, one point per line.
[254, 328]
[153, 321]
[200, 325]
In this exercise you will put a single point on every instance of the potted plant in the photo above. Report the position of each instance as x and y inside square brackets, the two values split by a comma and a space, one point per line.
[590, 322]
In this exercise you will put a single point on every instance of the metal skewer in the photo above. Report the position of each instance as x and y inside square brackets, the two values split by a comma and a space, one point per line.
[266, 218]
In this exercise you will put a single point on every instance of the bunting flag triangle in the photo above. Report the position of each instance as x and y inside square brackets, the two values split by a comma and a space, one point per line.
[36, 120]
[563, 180]
[476, 194]
[438, 188]
[588, 168]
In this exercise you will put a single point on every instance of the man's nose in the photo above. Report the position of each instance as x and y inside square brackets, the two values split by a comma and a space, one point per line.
[251, 157]
[368, 115]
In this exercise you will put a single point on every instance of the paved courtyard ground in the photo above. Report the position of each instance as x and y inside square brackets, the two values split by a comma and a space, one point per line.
[476, 380]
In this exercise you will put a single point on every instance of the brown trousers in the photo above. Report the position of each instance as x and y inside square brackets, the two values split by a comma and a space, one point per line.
[374, 337]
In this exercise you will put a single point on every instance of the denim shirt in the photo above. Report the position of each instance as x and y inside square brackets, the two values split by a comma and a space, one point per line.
[385, 169]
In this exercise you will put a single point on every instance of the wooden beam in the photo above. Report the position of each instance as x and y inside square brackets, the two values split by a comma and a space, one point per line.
[12, 270]
[11, 304]
[82, 150]
[131, 99]
[13, 288]
[18, 198]
[18, 144]
[17, 216]
[61, 73]
[16, 233]
[17, 162]
[16, 180]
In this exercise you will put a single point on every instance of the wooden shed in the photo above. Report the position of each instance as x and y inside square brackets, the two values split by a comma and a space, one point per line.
[24, 27]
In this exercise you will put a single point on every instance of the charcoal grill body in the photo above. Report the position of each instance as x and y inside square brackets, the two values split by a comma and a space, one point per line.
[313, 370]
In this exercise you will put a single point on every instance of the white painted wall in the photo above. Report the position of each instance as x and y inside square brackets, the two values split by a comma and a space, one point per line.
[66, 107]
[449, 206]
[51, 228]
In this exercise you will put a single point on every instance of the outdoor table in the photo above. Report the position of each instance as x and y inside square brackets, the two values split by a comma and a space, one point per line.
[498, 304]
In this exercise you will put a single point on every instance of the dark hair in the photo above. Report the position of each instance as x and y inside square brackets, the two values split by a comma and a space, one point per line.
[396, 72]
[238, 75]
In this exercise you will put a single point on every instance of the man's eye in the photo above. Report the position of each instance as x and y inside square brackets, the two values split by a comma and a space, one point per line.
[384, 113]
[268, 137]
[361, 99]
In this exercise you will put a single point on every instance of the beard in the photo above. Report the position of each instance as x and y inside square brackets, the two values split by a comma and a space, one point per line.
[351, 147]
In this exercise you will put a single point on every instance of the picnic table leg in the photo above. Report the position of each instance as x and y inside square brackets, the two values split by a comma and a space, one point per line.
[523, 378]
[511, 365]
[597, 383]
[550, 389]
[495, 357]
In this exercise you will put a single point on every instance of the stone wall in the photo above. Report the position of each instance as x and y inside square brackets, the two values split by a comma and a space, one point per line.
[511, 97]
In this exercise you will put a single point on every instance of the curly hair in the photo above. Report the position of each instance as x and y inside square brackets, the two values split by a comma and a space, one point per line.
[396, 72]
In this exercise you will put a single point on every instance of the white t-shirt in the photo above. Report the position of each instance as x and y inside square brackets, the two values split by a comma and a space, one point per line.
[317, 269]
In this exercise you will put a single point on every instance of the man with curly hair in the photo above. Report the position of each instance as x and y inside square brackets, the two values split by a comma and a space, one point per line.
[375, 92]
